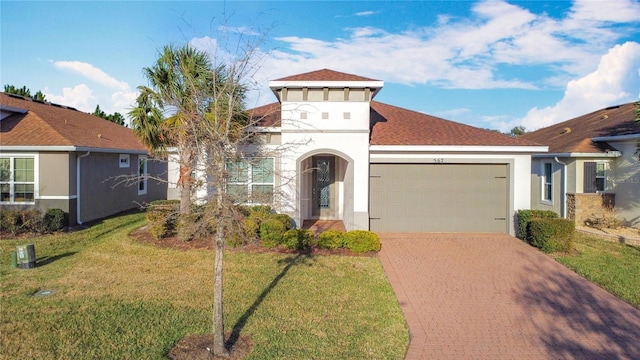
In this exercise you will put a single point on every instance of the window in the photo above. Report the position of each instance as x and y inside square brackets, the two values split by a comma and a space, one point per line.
[124, 160]
[547, 182]
[251, 180]
[17, 179]
[594, 176]
[142, 175]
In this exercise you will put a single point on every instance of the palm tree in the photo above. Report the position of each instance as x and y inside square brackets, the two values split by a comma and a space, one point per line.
[180, 84]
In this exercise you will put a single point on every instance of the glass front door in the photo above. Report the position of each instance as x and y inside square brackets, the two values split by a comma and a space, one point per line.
[324, 191]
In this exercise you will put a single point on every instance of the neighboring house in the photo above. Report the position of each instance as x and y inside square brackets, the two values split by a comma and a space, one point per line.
[53, 156]
[592, 164]
[380, 167]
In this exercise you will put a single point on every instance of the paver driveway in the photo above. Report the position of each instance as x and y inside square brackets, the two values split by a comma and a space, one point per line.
[490, 296]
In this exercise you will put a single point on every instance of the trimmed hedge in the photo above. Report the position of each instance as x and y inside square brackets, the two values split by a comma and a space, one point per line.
[31, 221]
[162, 218]
[525, 216]
[271, 232]
[297, 239]
[551, 235]
[284, 219]
[54, 219]
[361, 241]
[330, 239]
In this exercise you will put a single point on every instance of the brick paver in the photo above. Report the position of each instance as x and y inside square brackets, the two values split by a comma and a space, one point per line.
[490, 296]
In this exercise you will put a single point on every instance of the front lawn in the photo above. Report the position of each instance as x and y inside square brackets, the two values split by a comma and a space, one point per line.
[115, 298]
[615, 267]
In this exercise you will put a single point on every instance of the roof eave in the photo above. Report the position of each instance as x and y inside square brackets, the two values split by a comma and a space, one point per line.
[458, 148]
[617, 137]
[610, 154]
[65, 148]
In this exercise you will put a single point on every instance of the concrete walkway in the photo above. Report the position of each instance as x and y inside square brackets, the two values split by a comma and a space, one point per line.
[490, 296]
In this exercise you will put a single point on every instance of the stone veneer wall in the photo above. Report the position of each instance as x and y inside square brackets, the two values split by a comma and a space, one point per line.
[581, 206]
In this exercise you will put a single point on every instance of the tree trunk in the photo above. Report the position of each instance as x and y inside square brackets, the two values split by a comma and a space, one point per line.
[218, 315]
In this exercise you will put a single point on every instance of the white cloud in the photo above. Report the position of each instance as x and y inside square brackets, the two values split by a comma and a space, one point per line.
[93, 73]
[468, 53]
[80, 97]
[615, 81]
[366, 13]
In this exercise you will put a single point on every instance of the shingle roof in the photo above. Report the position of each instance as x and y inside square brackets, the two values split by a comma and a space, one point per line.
[392, 125]
[325, 75]
[266, 115]
[45, 124]
[574, 136]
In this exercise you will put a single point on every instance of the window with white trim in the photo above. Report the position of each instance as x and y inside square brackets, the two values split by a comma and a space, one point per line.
[251, 180]
[17, 179]
[142, 175]
[124, 160]
[547, 182]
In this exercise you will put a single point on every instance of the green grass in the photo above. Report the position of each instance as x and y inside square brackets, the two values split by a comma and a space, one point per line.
[119, 299]
[613, 266]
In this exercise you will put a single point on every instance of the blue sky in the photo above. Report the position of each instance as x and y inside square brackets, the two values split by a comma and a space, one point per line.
[492, 64]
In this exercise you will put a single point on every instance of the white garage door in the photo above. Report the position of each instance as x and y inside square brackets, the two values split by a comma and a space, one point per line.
[439, 197]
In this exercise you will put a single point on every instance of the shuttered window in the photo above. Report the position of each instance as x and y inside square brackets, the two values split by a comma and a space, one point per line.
[594, 176]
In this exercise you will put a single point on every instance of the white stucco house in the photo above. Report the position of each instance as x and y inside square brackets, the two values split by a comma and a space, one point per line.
[383, 168]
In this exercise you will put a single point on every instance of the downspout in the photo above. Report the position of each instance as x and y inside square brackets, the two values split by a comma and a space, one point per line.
[78, 186]
[564, 187]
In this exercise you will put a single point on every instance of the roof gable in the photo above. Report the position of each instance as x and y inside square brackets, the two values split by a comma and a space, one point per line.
[45, 124]
[574, 136]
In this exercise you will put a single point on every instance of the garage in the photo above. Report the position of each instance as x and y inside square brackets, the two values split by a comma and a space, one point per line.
[439, 197]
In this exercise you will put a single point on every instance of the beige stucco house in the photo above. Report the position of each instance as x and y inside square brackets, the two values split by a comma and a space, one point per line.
[592, 165]
[53, 156]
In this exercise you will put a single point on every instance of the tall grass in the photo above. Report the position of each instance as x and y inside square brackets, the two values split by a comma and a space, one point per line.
[114, 298]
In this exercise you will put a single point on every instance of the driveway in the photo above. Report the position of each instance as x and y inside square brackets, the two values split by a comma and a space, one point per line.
[490, 296]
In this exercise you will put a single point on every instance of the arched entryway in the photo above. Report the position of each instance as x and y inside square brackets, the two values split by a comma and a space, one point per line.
[325, 186]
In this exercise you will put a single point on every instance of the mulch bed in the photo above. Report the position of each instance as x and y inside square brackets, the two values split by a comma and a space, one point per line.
[196, 347]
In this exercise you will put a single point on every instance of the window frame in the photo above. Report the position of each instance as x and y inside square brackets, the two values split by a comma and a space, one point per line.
[12, 181]
[247, 179]
[546, 183]
[603, 177]
[142, 175]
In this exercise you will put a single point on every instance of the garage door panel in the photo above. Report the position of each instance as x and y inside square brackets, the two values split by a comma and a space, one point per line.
[445, 197]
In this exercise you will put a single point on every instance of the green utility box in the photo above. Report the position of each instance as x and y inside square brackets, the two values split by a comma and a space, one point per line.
[26, 256]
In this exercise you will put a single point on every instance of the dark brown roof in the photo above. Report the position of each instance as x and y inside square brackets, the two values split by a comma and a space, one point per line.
[266, 115]
[574, 136]
[392, 125]
[325, 75]
[45, 124]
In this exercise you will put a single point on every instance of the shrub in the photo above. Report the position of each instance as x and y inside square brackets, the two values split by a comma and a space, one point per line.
[551, 235]
[271, 231]
[32, 221]
[248, 233]
[297, 239]
[361, 241]
[161, 218]
[54, 219]
[10, 221]
[525, 216]
[330, 239]
[284, 219]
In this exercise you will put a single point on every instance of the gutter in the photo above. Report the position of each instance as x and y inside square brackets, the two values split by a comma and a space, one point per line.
[564, 187]
[78, 186]
[610, 154]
